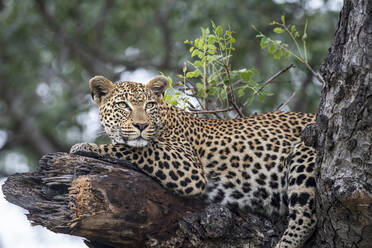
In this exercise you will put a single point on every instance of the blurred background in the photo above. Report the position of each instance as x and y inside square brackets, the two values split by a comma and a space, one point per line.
[50, 49]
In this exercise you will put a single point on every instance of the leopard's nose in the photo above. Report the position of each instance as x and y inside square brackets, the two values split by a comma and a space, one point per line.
[140, 126]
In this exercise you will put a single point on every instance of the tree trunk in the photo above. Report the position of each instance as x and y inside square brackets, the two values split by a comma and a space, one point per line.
[113, 205]
[343, 133]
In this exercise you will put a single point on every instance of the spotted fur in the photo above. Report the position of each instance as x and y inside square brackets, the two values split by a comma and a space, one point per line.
[257, 163]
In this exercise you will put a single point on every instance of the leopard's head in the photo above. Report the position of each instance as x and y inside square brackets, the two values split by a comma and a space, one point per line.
[130, 112]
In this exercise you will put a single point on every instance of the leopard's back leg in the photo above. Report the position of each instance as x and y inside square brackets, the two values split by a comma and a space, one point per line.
[301, 197]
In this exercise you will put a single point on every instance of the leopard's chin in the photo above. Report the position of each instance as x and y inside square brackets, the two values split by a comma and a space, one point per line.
[139, 142]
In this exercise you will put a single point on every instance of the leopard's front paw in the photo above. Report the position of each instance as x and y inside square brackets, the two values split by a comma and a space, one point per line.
[84, 149]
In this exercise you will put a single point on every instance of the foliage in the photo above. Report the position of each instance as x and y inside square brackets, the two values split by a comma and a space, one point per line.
[50, 49]
[211, 75]
[278, 48]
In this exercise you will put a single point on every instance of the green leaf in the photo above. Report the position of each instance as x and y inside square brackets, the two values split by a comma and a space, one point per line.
[261, 97]
[197, 63]
[194, 53]
[213, 25]
[211, 47]
[197, 73]
[286, 54]
[272, 48]
[205, 31]
[196, 43]
[246, 75]
[211, 91]
[199, 85]
[241, 92]
[211, 51]
[266, 93]
[201, 93]
[170, 81]
[293, 28]
[264, 42]
[249, 99]
[278, 54]
[278, 30]
[166, 97]
[219, 30]
[212, 58]
[254, 85]
[211, 39]
[283, 19]
[193, 74]
[232, 40]
[200, 43]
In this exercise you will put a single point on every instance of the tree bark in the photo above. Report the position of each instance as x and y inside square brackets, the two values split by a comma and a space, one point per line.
[343, 133]
[112, 204]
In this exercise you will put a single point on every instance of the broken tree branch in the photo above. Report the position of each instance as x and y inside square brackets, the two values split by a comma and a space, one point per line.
[109, 202]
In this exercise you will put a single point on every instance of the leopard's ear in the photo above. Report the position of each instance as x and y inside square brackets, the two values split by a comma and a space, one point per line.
[158, 85]
[99, 88]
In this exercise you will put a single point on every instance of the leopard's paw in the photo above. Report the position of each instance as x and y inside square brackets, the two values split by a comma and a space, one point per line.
[84, 148]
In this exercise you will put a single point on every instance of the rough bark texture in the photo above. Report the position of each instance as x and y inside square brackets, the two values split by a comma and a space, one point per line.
[113, 205]
[343, 133]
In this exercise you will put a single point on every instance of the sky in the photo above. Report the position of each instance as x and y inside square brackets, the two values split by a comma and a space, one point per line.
[17, 232]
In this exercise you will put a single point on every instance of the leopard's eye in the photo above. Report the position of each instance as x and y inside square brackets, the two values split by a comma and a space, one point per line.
[150, 105]
[122, 105]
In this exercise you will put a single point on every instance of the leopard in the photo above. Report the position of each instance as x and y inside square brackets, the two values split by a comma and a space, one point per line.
[256, 163]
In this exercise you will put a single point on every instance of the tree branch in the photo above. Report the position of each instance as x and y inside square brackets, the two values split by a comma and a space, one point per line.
[316, 75]
[212, 111]
[109, 202]
[231, 95]
[274, 76]
[286, 102]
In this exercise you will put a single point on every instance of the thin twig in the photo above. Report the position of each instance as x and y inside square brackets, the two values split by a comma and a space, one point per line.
[205, 79]
[212, 111]
[286, 102]
[270, 79]
[314, 73]
[231, 95]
